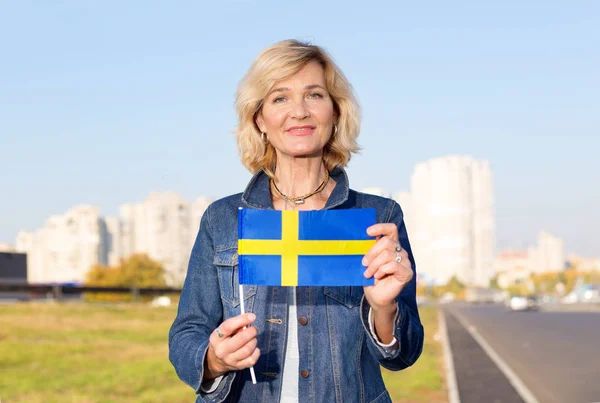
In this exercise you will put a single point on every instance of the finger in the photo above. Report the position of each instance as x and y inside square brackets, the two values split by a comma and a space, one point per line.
[227, 347]
[250, 361]
[384, 229]
[243, 352]
[241, 338]
[387, 269]
[382, 258]
[232, 325]
[405, 261]
[380, 245]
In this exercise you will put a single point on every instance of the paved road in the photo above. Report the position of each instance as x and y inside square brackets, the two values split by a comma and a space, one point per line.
[555, 354]
[478, 377]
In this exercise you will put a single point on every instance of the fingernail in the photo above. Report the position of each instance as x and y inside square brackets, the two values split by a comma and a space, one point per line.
[365, 262]
[251, 316]
[365, 273]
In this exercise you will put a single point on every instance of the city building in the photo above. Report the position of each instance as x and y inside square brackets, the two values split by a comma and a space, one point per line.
[5, 247]
[113, 240]
[160, 227]
[548, 256]
[583, 264]
[404, 199]
[66, 248]
[450, 220]
[164, 226]
[512, 267]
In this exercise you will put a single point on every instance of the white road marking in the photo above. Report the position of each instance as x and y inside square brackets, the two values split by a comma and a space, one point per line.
[453, 396]
[515, 381]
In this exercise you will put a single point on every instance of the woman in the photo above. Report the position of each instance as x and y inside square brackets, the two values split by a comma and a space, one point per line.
[298, 124]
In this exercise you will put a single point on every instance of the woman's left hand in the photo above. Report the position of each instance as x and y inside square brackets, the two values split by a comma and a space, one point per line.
[389, 264]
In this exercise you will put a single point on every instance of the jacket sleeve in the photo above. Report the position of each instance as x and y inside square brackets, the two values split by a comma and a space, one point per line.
[407, 324]
[200, 312]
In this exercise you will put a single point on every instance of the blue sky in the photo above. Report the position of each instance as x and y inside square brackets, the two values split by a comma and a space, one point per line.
[103, 102]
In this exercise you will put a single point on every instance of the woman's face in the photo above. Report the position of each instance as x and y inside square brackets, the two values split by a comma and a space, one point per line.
[298, 114]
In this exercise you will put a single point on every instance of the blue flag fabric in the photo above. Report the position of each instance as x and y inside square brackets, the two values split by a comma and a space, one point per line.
[304, 248]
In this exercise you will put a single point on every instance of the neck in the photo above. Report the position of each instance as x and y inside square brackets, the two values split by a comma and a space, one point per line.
[299, 176]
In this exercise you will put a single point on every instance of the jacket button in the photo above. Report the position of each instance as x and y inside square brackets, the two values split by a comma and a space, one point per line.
[303, 321]
[304, 374]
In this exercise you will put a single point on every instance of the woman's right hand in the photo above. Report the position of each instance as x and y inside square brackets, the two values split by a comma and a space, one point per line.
[231, 347]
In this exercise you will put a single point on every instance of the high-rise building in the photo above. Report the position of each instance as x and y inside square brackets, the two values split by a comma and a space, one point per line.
[34, 245]
[549, 256]
[113, 240]
[66, 248]
[405, 201]
[450, 210]
[160, 227]
[164, 226]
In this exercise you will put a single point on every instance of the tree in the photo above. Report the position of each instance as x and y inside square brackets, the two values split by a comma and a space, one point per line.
[137, 271]
[141, 271]
[494, 283]
[454, 285]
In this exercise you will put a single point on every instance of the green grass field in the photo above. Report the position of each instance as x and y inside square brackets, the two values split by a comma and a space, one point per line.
[424, 381]
[79, 352]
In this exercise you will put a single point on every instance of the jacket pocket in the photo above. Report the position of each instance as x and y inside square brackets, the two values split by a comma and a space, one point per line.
[348, 296]
[384, 397]
[226, 262]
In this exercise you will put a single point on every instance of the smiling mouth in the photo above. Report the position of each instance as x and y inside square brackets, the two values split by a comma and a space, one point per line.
[301, 130]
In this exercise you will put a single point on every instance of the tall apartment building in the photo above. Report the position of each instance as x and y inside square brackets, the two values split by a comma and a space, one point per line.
[406, 204]
[548, 256]
[164, 226]
[450, 220]
[66, 247]
[113, 240]
[160, 227]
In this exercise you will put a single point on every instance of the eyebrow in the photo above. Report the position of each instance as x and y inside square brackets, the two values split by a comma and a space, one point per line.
[308, 87]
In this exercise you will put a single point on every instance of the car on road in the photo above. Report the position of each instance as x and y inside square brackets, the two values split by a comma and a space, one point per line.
[583, 294]
[522, 303]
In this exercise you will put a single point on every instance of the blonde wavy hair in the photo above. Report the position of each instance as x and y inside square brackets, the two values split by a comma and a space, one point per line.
[279, 62]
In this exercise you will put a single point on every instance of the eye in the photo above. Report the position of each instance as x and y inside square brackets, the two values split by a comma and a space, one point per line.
[279, 100]
[316, 95]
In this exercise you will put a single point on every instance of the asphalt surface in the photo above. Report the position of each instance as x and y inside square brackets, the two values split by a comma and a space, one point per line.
[477, 377]
[555, 354]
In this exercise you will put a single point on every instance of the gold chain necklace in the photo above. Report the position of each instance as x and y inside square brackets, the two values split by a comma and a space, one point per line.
[301, 199]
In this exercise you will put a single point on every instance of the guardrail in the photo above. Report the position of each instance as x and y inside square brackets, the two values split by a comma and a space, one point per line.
[59, 291]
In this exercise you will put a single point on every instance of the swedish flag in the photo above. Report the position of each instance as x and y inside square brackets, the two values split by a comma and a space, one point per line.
[305, 248]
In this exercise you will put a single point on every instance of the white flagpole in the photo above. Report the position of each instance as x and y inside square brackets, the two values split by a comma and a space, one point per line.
[243, 312]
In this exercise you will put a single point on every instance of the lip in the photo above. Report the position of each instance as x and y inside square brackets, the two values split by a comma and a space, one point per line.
[301, 130]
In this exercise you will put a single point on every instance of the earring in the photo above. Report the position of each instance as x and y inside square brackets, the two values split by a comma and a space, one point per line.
[264, 137]
[334, 130]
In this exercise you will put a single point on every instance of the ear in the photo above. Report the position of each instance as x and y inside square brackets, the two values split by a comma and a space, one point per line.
[260, 122]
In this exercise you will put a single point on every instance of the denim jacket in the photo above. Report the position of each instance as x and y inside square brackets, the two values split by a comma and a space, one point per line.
[339, 359]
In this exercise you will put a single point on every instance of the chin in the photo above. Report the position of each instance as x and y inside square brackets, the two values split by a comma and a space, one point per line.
[306, 152]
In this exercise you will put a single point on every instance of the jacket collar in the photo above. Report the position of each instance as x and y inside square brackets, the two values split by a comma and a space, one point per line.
[258, 195]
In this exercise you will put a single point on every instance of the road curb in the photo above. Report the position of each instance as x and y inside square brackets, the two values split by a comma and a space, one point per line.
[512, 377]
[453, 396]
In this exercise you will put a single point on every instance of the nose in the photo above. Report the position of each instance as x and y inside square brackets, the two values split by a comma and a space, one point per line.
[300, 110]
